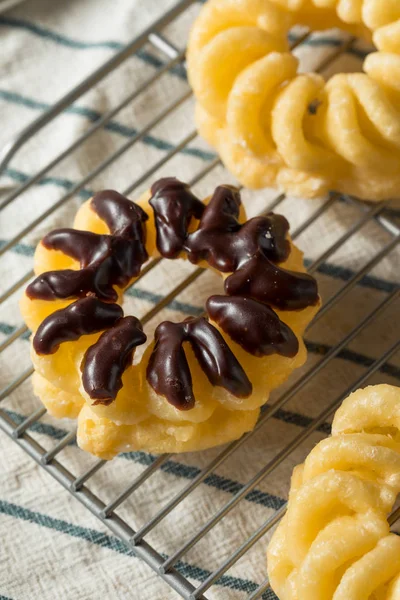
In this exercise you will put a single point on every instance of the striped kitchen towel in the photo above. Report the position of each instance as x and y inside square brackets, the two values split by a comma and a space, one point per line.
[51, 546]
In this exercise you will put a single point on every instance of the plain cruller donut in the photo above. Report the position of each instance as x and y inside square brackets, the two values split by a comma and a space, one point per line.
[201, 382]
[334, 541]
[271, 124]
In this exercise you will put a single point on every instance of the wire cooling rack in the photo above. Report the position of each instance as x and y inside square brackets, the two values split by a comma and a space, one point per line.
[362, 215]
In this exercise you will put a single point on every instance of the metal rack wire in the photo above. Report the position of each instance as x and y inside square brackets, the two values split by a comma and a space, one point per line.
[77, 484]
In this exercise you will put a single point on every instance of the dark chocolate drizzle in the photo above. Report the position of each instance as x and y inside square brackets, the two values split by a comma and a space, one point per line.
[249, 251]
[105, 260]
[225, 244]
[83, 317]
[105, 362]
[168, 371]
[252, 325]
[174, 205]
[122, 216]
[219, 239]
[262, 280]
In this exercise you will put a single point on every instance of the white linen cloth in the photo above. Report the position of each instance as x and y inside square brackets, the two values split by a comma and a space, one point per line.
[50, 545]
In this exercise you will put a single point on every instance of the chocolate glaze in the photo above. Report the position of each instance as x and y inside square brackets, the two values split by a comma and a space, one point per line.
[219, 239]
[174, 205]
[260, 279]
[248, 251]
[252, 325]
[105, 260]
[83, 317]
[168, 371]
[223, 209]
[228, 251]
[122, 216]
[105, 362]
[226, 244]
[79, 245]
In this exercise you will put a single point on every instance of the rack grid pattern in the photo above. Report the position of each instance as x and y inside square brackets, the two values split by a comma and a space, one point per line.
[78, 484]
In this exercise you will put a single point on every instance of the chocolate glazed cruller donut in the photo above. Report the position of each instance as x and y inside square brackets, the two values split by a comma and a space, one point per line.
[202, 381]
[334, 542]
[274, 126]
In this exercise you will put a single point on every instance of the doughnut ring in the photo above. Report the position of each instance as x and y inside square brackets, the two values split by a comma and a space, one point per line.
[201, 382]
[334, 542]
[273, 126]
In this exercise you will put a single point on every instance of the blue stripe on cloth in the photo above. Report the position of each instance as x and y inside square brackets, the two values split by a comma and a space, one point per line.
[75, 44]
[7, 329]
[332, 270]
[343, 273]
[66, 184]
[172, 467]
[22, 249]
[113, 126]
[182, 307]
[112, 543]
[86, 193]
[354, 357]
[358, 52]
[292, 418]
[215, 481]
[5, 597]
[55, 433]
[58, 38]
